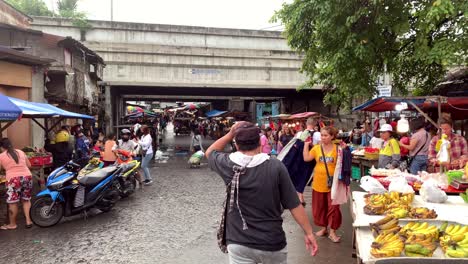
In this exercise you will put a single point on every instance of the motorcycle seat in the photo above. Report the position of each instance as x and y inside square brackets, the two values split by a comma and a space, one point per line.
[95, 177]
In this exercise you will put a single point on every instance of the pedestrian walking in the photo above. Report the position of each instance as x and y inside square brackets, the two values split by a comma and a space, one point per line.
[285, 135]
[326, 215]
[146, 143]
[19, 182]
[265, 140]
[196, 142]
[82, 148]
[258, 189]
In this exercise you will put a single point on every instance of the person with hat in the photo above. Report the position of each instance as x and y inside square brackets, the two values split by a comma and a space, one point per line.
[258, 189]
[389, 155]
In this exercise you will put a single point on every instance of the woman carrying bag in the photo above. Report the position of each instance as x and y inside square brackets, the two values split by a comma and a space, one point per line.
[418, 146]
[326, 214]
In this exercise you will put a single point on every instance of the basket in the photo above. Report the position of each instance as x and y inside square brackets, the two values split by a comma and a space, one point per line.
[371, 156]
[355, 173]
[41, 160]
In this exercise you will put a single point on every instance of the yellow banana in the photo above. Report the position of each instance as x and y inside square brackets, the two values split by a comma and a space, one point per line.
[384, 220]
[461, 231]
[390, 224]
[449, 229]
[455, 230]
[422, 226]
[455, 253]
[457, 238]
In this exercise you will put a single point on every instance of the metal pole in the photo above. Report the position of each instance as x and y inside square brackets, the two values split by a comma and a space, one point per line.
[112, 10]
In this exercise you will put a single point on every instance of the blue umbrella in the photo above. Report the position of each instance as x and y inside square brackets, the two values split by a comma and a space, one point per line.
[8, 110]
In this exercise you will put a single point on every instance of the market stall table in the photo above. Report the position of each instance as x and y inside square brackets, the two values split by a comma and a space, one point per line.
[363, 236]
[364, 163]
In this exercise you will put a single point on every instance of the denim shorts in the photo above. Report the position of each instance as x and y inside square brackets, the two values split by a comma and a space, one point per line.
[418, 164]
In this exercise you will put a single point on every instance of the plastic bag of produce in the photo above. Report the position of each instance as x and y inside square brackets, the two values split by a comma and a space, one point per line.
[196, 157]
[372, 185]
[430, 192]
[399, 184]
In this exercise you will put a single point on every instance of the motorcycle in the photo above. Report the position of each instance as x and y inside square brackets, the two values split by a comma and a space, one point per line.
[126, 181]
[66, 194]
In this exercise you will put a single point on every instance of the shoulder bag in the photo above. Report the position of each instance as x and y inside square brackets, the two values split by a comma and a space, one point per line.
[411, 158]
[329, 178]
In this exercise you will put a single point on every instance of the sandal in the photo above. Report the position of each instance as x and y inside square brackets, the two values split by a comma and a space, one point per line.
[321, 233]
[29, 226]
[336, 239]
[6, 227]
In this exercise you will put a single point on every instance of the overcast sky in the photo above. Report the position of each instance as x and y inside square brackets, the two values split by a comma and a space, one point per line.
[247, 14]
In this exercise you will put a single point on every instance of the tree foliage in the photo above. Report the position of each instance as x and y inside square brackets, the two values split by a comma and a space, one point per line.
[348, 44]
[66, 8]
[31, 7]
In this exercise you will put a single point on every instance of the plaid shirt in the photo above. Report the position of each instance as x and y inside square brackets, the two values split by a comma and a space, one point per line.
[458, 147]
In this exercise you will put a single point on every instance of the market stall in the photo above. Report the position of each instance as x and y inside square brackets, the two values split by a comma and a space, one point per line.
[41, 160]
[425, 231]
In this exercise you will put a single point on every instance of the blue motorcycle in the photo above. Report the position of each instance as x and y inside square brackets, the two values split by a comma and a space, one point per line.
[68, 194]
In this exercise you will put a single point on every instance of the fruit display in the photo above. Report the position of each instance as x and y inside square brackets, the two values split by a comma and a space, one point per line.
[420, 231]
[454, 240]
[416, 246]
[38, 157]
[422, 213]
[394, 204]
[385, 226]
[387, 245]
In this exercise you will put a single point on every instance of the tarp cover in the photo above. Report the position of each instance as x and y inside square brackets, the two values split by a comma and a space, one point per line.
[457, 106]
[8, 110]
[41, 110]
[215, 113]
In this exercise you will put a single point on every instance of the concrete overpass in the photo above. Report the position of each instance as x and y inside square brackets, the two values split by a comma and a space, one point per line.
[156, 61]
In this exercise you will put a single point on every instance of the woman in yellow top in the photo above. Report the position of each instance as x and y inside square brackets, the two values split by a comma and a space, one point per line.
[326, 215]
[389, 155]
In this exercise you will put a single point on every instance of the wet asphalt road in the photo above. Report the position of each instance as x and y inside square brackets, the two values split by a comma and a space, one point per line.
[173, 221]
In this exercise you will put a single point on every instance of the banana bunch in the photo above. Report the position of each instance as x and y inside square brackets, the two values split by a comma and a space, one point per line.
[454, 240]
[386, 225]
[398, 212]
[378, 204]
[374, 209]
[387, 245]
[400, 198]
[422, 213]
[420, 231]
[417, 246]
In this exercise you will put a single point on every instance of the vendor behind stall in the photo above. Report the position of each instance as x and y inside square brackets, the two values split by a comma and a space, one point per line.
[458, 150]
[389, 155]
[418, 146]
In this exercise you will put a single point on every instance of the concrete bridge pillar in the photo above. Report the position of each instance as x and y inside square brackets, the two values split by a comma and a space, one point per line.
[109, 117]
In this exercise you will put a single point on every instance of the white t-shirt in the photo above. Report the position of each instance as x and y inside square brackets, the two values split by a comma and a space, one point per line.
[316, 138]
[146, 143]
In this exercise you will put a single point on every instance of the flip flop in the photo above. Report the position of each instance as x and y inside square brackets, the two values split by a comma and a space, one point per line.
[337, 239]
[321, 235]
[5, 227]
[29, 226]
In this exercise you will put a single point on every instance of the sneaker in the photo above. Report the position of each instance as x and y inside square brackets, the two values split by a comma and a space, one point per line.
[148, 182]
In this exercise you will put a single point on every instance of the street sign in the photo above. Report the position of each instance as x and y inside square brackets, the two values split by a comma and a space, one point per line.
[384, 90]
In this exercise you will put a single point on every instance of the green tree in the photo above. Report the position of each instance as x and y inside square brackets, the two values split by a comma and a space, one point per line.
[348, 44]
[69, 9]
[31, 7]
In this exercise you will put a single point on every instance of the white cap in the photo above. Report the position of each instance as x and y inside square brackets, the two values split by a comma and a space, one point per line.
[386, 128]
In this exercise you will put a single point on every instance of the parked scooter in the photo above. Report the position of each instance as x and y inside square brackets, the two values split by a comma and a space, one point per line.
[126, 181]
[67, 194]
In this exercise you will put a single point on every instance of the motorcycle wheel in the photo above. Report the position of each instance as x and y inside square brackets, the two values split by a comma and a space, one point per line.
[128, 187]
[39, 212]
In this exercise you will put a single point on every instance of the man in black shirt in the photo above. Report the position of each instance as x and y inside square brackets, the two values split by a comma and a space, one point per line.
[257, 197]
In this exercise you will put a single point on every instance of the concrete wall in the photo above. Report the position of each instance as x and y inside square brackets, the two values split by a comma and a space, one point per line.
[168, 55]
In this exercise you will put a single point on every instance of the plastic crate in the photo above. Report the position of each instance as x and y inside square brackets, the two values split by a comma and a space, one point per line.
[355, 173]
